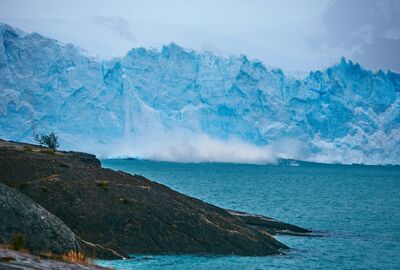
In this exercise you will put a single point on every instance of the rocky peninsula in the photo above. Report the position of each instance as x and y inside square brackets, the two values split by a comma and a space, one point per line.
[62, 201]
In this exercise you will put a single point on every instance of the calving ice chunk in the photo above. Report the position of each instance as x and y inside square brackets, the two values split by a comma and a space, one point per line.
[180, 105]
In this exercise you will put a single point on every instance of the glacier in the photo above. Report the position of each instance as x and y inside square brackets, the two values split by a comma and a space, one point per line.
[176, 104]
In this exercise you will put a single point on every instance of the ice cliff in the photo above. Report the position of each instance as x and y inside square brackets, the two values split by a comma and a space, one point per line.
[181, 105]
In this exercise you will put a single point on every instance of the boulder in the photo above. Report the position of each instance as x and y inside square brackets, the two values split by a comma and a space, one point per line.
[41, 231]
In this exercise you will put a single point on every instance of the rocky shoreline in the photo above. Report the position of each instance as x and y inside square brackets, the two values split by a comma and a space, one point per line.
[12, 260]
[75, 204]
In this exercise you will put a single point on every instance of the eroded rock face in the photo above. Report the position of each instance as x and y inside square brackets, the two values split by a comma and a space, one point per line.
[129, 212]
[43, 231]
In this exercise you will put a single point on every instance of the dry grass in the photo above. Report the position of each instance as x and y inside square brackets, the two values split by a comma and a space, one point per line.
[71, 256]
[102, 184]
[48, 151]
[53, 177]
[76, 257]
[26, 149]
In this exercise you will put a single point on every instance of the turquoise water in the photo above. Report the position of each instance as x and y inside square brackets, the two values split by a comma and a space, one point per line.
[356, 208]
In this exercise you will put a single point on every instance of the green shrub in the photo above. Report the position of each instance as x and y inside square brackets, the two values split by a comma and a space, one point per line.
[51, 141]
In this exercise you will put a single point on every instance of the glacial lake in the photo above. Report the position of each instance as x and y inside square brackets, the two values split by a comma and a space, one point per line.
[356, 208]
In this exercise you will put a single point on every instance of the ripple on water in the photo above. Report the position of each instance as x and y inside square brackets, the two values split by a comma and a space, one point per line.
[355, 207]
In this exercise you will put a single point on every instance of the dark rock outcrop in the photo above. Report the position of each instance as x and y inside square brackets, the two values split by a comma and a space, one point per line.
[271, 225]
[128, 212]
[43, 232]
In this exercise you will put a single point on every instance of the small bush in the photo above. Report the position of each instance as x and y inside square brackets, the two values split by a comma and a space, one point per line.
[102, 184]
[18, 241]
[51, 141]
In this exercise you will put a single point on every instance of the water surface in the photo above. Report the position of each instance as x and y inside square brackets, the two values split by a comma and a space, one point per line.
[356, 207]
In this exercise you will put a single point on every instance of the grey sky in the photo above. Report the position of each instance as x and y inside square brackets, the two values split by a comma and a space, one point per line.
[292, 34]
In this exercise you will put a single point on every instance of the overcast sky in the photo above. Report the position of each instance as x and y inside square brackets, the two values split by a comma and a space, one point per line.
[296, 35]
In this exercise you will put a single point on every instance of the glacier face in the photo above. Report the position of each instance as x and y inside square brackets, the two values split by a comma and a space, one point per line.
[180, 105]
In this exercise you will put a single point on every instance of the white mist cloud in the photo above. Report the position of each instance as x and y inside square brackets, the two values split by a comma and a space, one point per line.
[187, 146]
